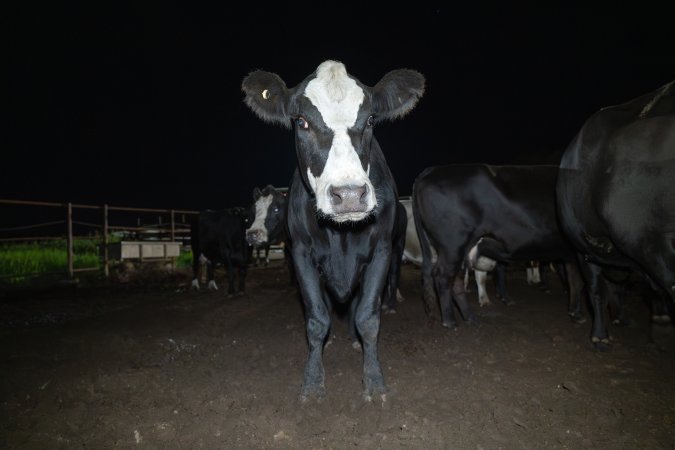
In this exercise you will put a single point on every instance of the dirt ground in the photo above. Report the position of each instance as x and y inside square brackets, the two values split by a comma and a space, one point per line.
[159, 366]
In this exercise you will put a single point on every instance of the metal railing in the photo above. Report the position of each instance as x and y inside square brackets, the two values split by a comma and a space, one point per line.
[172, 228]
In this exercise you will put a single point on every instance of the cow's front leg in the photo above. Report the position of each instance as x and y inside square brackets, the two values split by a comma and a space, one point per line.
[368, 325]
[230, 278]
[242, 279]
[317, 318]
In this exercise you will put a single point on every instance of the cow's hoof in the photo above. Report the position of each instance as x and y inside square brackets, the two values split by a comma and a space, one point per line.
[472, 320]
[390, 311]
[601, 345]
[508, 302]
[356, 345]
[577, 318]
[661, 319]
[376, 392]
[313, 393]
[450, 324]
[375, 398]
[621, 322]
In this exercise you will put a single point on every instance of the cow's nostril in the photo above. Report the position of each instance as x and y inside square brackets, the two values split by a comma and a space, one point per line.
[335, 195]
[363, 198]
[349, 198]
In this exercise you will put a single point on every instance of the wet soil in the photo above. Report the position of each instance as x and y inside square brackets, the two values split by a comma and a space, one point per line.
[161, 366]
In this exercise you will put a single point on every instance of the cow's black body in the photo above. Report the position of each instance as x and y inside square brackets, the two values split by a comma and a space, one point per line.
[219, 236]
[342, 202]
[616, 196]
[507, 212]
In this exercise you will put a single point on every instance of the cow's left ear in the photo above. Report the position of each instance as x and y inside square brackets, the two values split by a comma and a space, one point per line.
[256, 193]
[397, 93]
[267, 95]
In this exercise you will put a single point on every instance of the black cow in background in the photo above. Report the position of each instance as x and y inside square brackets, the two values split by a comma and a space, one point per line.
[616, 198]
[477, 214]
[342, 203]
[219, 237]
[269, 223]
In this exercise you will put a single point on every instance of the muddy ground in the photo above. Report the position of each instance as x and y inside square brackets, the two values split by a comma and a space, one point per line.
[156, 365]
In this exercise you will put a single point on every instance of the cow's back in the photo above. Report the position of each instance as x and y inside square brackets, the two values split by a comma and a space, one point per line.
[615, 188]
[514, 204]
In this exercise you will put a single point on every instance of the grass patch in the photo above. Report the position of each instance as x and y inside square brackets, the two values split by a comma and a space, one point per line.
[184, 260]
[21, 261]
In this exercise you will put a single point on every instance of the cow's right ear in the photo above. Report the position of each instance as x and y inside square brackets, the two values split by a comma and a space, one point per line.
[256, 193]
[267, 95]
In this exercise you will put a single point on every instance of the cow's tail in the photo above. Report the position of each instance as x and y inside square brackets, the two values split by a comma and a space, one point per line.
[428, 291]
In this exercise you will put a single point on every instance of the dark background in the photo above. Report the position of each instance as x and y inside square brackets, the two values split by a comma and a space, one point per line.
[140, 104]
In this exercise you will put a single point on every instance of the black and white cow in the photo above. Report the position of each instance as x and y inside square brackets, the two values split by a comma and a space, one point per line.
[477, 214]
[269, 224]
[342, 202]
[219, 236]
[616, 197]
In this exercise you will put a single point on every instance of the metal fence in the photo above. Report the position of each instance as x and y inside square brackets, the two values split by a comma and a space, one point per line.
[172, 228]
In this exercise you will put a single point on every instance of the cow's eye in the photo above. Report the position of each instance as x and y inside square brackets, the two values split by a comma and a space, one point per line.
[276, 210]
[302, 123]
[371, 121]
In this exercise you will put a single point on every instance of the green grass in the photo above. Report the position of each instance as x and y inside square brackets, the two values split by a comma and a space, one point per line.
[184, 260]
[19, 262]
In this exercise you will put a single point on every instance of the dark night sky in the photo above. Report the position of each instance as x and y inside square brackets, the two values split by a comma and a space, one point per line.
[141, 105]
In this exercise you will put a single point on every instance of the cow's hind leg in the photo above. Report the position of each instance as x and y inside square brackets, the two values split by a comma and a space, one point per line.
[210, 271]
[459, 295]
[230, 278]
[598, 295]
[443, 290]
[499, 278]
[481, 277]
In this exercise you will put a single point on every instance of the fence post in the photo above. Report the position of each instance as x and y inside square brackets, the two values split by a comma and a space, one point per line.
[173, 226]
[69, 221]
[173, 236]
[106, 266]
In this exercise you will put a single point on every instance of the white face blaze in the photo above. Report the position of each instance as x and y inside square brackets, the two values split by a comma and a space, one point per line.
[338, 99]
[261, 207]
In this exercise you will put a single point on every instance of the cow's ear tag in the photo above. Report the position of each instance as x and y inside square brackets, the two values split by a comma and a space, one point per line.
[266, 94]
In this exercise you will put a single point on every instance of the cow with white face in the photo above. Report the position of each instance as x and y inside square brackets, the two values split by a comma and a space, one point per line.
[269, 223]
[342, 201]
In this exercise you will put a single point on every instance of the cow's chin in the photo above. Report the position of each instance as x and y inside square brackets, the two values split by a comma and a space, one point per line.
[349, 217]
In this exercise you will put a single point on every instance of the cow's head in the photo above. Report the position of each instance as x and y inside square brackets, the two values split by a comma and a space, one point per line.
[333, 115]
[269, 206]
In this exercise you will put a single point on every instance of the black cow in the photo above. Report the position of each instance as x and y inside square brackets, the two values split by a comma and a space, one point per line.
[616, 197]
[477, 214]
[342, 202]
[269, 223]
[219, 236]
